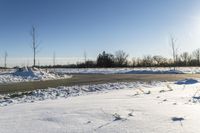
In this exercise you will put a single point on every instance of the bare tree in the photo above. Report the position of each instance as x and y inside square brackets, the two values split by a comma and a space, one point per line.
[134, 62]
[35, 44]
[85, 57]
[174, 50]
[185, 57]
[196, 55]
[147, 61]
[121, 58]
[159, 60]
[5, 59]
[138, 62]
[54, 58]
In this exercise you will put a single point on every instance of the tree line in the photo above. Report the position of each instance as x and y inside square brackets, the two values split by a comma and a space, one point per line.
[121, 59]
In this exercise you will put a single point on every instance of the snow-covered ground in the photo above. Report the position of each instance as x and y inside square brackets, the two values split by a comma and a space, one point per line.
[28, 74]
[42, 74]
[153, 70]
[156, 107]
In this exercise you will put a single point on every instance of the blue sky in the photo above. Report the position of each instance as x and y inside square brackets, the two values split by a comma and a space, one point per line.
[70, 27]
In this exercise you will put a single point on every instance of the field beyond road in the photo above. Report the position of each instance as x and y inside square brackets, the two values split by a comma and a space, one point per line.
[86, 79]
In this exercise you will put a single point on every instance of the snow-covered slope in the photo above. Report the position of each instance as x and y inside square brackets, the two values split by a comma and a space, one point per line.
[167, 107]
[28, 74]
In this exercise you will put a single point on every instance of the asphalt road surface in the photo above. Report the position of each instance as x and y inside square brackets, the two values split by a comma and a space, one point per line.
[85, 79]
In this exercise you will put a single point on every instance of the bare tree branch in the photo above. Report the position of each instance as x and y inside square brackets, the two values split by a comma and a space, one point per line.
[5, 59]
[35, 45]
[174, 50]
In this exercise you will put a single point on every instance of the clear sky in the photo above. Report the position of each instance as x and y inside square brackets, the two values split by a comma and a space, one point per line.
[70, 27]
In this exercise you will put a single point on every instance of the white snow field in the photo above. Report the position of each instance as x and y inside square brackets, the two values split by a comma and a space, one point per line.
[28, 74]
[155, 107]
[147, 70]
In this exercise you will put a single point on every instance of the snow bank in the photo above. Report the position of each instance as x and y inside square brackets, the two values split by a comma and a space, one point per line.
[28, 74]
[154, 72]
[159, 70]
[64, 92]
